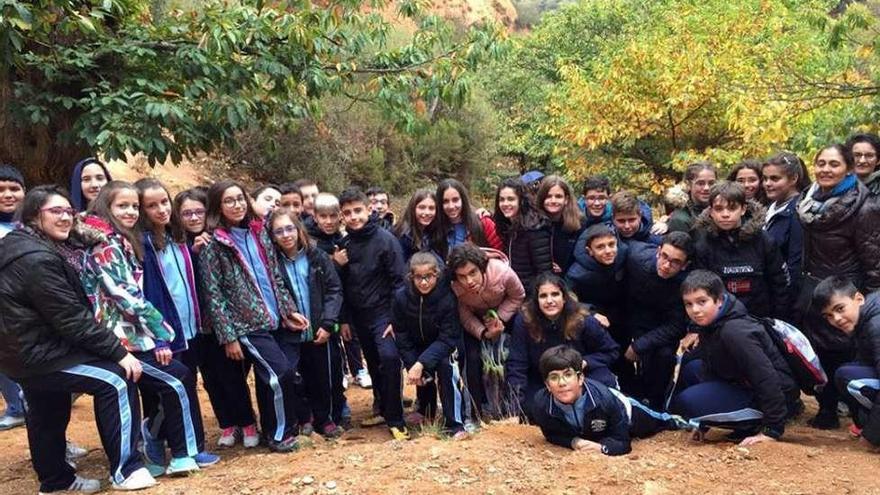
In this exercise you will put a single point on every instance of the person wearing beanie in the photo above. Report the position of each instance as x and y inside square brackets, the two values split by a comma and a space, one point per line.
[88, 177]
[11, 195]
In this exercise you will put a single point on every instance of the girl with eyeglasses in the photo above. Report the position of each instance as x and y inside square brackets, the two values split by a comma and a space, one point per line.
[699, 177]
[112, 274]
[247, 302]
[865, 152]
[310, 276]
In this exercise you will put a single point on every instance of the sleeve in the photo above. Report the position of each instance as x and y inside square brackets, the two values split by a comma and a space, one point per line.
[514, 295]
[539, 249]
[868, 243]
[668, 333]
[332, 296]
[550, 428]
[62, 307]
[394, 263]
[448, 336]
[402, 335]
[761, 375]
[795, 252]
[469, 319]
[517, 365]
[778, 279]
[600, 350]
[217, 309]
[871, 430]
[491, 233]
[616, 440]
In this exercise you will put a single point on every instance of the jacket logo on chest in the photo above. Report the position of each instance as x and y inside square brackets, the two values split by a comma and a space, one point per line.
[737, 270]
[598, 425]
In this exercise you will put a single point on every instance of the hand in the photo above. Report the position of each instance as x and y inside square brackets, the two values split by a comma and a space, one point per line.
[690, 341]
[756, 439]
[482, 213]
[296, 322]
[493, 323]
[630, 354]
[389, 331]
[132, 367]
[201, 241]
[659, 227]
[345, 332]
[603, 320]
[492, 333]
[582, 444]
[233, 351]
[414, 375]
[557, 268]
[163, 355]
[322, 336]
[340, 256]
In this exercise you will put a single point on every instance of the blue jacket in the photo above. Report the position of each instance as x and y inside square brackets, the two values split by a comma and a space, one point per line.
[603, 287]
[426, 328]
[785, 229]
[375, 270]
[600, 416]
[589, 220]
[156, 291]
[562, 244]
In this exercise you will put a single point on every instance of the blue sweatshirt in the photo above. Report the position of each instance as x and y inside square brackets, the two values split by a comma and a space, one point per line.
[249, 249]
[298, 275]
[173, 271]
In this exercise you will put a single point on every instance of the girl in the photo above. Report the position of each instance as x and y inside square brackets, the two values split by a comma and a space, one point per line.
[784, 177]
[841, 227]
[247, 302]
[557, 202]
[418, 223]
[191, 206]
[457, 222]
[428, 334]
[699, 178]
[266, 199]
[311, 278]
[86, 181]
[112, 276]
[552, 316]
[526, 239]
[747, 174]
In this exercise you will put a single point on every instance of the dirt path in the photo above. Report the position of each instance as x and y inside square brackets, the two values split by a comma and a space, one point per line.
[503, 458]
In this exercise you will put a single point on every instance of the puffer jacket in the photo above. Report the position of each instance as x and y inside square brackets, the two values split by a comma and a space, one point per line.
[603, 287]
[426, 327]
[501, 291]
[786, 231]
[748, 262]
[235, 305]
[46, 323]
[682, 219]
[529, 253]
[867, 338]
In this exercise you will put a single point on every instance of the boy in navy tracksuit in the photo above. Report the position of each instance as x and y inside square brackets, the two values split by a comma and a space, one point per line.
[374, 271]
[631, 221]
[429, 335]
[858, 316]
[581, 414]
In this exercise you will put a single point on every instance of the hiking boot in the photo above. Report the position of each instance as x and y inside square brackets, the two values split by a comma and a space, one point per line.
[399, 433]
[80, 485]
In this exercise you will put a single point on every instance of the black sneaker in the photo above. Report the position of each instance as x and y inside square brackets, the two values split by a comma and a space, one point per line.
[289, 444]
[824, 420]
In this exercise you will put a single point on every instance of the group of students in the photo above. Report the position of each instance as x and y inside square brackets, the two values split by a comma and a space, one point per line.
[581, 314]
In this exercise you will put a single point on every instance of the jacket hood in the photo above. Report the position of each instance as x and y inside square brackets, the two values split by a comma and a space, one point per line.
[76, 194]
[89, 230]
[731, 308]
[752, 222]
[590, 263]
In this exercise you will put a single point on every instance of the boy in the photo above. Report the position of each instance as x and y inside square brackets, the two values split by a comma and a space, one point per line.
[858, 316]
[374, 271]
[291, 197]
[11, 195]
[730, 241]
[741, 382]
[379, 206]
[594, 202]
[309, 190]
[581, 414]
[630, 220]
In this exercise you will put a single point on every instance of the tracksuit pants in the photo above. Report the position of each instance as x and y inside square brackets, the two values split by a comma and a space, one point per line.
[858, 385]
[354, 358]
[652, 377]
[11, 394]
[276, 385]
[383, 363]
[228, 379]
[320, 368]
[447, 379]
[645, 422]
[117, 413]
[831, 361]
[179, 417]
[714, 403]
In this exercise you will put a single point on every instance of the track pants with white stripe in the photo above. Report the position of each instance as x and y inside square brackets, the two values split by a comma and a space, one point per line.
[117, 413]
[858, 385]
[447, 378]
[713, 402]
[276, 385]
[319, 365]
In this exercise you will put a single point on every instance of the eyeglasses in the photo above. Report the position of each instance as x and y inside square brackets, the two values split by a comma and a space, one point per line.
[287, 229]
[197, 213]
[558, 378]
[675, 263]
[230, 202]
[596, 199]
[866, 156]
[60, 211]
[425, 278]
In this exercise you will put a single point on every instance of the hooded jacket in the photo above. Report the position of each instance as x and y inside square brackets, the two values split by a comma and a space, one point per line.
[748, 262]
[596, 284]
[426, 327]
[529, 252]
[501, 290]
[867, 339]
[46, 323]
[682, 219]
[374, 271]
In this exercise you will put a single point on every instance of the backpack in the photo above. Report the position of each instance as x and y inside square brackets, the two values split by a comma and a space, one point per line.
[798, 353]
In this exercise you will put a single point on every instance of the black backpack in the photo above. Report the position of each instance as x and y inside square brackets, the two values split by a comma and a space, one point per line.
[798, 353]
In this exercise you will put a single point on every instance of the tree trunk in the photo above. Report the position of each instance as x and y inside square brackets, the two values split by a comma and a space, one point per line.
[37, 150]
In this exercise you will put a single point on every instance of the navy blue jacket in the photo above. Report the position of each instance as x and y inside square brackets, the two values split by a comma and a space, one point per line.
[592, 341]
[426, 328]
[604, 419]
[374, 272]
[562, 244]
[602, 287]
[156, 290]
[786, 231]
[867, 338]
[325, 290]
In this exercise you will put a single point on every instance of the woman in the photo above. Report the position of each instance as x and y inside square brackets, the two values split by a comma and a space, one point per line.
[247, 302]
[523, 230]
[552, 316]
[865, 152]
[418, 224]
[86, 181]
[699, 178]
[784, 177]
[747, 174]
[557, 202]
[52, 345]
[112, 274]
[457, 222]
[311, 277]
[841, 237]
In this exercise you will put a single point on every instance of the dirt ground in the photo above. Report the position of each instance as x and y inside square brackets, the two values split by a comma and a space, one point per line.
[503, 458]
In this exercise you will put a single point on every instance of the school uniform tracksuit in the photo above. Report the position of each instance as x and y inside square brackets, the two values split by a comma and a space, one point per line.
[859, 382]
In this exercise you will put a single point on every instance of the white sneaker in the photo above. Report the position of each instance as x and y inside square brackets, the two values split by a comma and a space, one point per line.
[10, 422]
[345, 382]
[363, 379]
[137, 480]
[251, 437]
[227, 436]
[80, 485]
[74, 451]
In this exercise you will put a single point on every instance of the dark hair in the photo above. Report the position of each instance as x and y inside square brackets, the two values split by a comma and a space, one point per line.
[214, 217]
[175, 226]
[376, 190]
[301, 183]
[869, 138]
[288, 188]
[571, 214]
[705, 280]
[409, 224]
[35, 199]
[526, 218]
[792, 166]
[596, 183]
[302, 235]
[353, 194]
[193, 194]
[594, 232]
[625, 202]
[754, 166]
[467, 253]
[101, 207]
[680, 240]
[260, 190]
[729, 191]
[834, 285]
[694, 169]
[844, 152]
[571, 320]
[10, 173]
[559, 358]
[470, 219]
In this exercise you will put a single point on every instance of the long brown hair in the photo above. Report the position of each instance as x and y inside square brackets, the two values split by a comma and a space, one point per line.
[571, 214]
[101, 207]
[214, 217]
[572, 316]
[409, 224]
[302, 235]
[174, 227]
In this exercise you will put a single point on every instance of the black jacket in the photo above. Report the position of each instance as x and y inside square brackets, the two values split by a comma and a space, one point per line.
[426, 328]
[737, 349]
[602, 418]
[325, 242]
[867, 338]
[374, 271]
[562, 244]
[747, 260]
[529, 253]
[46, 323]
[325, 289]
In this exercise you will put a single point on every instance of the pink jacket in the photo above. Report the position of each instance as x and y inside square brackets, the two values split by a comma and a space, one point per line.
[501, 291]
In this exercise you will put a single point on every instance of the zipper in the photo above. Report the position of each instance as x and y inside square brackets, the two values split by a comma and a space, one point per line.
[421, 331]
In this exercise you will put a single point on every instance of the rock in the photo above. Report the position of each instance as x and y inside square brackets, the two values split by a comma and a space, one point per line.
[308, 491]
[295, 481]
[492, 469]
[308, 480]
[330, 485]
